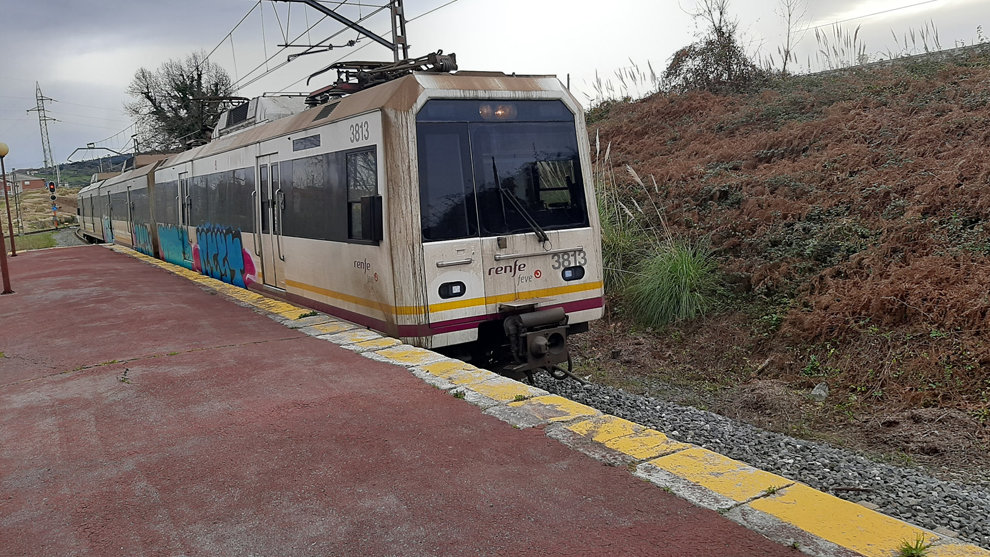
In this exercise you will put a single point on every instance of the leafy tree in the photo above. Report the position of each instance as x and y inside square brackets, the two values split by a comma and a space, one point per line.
[716, 62]
[176, 106]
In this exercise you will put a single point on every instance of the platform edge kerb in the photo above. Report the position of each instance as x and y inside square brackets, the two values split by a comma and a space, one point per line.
[707, 479]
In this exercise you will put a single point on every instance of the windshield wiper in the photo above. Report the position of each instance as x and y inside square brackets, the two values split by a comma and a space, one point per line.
[518, 206]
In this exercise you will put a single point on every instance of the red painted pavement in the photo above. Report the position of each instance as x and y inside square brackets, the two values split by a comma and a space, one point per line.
[221, 432]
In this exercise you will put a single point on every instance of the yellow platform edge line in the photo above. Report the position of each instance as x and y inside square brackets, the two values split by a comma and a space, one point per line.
[844, 523]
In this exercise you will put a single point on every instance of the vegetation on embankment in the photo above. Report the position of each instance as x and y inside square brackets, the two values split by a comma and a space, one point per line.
[36, 210]
[849, 215]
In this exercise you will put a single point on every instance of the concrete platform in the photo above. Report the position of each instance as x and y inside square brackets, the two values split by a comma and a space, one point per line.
[143, 415]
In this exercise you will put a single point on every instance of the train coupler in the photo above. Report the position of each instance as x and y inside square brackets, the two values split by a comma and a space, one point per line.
[538, 340]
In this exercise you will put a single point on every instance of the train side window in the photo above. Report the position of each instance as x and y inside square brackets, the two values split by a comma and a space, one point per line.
[141, 211]
[238, 196]
[313, 195]
[199, 211]
[265, 201]
[362, 181]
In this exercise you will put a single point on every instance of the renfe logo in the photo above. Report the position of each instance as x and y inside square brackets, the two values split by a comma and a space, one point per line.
[363, 265]
[516, 267]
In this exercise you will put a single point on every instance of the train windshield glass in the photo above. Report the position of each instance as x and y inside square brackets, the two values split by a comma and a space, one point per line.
[503, 169]
[527, 173]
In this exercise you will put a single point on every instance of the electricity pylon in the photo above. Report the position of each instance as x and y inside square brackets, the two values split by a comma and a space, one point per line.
[43, 120]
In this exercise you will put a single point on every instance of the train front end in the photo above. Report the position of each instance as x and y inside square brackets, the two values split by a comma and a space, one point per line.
[510, 232]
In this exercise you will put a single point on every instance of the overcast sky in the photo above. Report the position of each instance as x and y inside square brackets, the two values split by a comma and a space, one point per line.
[84, 54]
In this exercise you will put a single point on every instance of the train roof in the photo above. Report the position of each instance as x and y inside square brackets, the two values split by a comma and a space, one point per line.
[91, 186]
[122, 177]
[397, 95]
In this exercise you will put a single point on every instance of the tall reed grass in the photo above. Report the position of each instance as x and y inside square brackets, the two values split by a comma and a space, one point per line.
[621, 245]
[657, 278]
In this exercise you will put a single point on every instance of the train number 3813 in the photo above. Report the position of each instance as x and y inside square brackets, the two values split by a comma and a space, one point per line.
[569, 259]
[360, 131]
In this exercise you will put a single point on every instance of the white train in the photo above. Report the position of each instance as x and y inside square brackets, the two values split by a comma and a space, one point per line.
[443, 209]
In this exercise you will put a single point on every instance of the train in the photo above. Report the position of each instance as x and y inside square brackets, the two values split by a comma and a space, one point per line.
[449, 210]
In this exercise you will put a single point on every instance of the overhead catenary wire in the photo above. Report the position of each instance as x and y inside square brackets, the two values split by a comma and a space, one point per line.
[864, 16]
[239, 85]
[264, 40]
[285, 31]
[231, 32]
[116, 134]
[233, 56]
[424, 14]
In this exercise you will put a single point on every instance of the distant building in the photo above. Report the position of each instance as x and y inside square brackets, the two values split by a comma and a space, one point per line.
[19, 181]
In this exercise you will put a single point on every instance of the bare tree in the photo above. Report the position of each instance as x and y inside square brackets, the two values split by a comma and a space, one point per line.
[715, 14]
[793, 12]
[176, 106]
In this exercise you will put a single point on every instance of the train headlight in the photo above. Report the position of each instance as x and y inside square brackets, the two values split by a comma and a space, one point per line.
[498, 112]
[572, 273]
[505, 111]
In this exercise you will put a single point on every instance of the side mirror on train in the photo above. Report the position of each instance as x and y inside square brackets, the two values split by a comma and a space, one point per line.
[371, 218]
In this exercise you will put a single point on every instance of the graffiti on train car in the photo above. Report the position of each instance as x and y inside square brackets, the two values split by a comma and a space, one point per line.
[174, 242]
[219, 253]
[141, 239]
[107, 230]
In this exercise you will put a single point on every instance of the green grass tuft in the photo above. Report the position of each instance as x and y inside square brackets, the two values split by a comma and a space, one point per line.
[917, 549]
[676, 283]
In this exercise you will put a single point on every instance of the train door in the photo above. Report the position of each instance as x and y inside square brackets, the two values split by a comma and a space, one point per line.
[130, 216]
[452, 251]
[185, 216]
[108, 222]
[91, 217]
[271, 204]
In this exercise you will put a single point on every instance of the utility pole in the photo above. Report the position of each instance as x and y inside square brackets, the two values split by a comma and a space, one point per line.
[43, 120]
[399, 30]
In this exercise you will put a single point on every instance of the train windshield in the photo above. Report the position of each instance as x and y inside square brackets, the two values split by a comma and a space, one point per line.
[493, 167]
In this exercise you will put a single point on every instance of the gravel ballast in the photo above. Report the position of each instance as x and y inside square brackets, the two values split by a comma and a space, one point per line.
[949, 508]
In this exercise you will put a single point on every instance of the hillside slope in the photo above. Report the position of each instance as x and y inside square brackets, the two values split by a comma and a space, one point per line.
[849, 213]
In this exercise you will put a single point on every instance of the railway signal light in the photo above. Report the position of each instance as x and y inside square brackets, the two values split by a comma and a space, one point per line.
[51, 190]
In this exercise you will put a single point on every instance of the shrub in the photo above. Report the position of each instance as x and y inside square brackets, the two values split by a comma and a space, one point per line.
[717, 61]
[676, 283]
